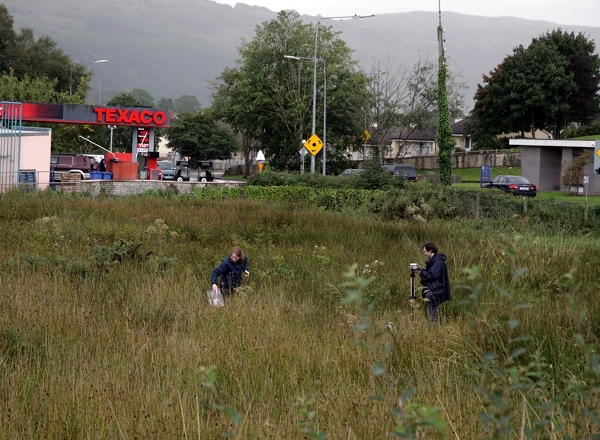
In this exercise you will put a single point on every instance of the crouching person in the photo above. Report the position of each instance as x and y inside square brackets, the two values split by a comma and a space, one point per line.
[228, 275]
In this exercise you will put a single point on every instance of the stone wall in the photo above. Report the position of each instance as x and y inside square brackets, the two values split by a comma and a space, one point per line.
[134, 187]
[467, 160]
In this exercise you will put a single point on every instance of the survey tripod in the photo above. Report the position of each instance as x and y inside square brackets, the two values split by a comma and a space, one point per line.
[412, 284]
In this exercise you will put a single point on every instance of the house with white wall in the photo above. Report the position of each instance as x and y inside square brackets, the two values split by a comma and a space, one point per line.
[25, 157]
[544, 161]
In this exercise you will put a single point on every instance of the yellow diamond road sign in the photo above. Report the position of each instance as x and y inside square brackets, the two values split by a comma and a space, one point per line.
[314, 144]
[366, 136]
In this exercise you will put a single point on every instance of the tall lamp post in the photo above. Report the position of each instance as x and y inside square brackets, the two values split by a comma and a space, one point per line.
[342, 17]
[81, 62]
[375, 75]
[291, 57]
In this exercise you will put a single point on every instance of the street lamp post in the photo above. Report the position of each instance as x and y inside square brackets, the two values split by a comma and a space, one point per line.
[111, 127]
[80, 62]
[315, 59]
[375, 75]
[291, 57]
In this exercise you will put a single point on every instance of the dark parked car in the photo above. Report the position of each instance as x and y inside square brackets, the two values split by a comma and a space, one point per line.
[70, 163]
[167, 168]
[400, 170]
[351, 172]
[515, 185]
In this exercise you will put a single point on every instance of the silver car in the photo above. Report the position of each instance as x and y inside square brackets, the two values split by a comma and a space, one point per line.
[168, 169]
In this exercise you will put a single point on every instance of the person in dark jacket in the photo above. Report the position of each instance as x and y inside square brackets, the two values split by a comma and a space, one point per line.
[230, 270]
[435, 279]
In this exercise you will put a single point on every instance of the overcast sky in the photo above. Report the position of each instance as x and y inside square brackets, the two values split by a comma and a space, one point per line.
[567, 12]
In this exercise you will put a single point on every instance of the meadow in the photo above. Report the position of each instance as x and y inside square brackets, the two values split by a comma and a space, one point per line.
[105, 330]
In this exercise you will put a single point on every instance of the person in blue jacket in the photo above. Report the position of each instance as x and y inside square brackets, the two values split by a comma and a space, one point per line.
[230, 270]
[435, 279]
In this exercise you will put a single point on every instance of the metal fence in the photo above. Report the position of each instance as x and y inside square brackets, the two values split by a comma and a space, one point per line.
[27, 180]
[11, 118]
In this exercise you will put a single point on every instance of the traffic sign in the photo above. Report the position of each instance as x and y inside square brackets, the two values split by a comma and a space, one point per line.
[365, 136]
[313, 144]
[303, 152]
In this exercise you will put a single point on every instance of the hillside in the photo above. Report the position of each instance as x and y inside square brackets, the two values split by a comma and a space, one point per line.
[176, 47]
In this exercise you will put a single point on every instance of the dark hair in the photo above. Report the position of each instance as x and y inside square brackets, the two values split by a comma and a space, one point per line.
[430, 247]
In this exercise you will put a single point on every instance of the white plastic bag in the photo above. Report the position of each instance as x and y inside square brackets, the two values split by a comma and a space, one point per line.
[215, 298]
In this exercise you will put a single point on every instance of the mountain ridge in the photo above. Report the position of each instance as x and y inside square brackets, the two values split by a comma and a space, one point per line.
[176, 48]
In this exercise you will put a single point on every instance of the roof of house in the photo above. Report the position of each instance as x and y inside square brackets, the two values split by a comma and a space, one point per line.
[410, 134]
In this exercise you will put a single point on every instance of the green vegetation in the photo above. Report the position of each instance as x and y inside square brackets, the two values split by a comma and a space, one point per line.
[443, 138]
[549, 85]
[106, 331]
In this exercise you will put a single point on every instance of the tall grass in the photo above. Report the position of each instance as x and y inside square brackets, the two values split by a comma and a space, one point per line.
[105, 331]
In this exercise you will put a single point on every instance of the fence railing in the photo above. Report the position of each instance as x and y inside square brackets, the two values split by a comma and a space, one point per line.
[26, 180]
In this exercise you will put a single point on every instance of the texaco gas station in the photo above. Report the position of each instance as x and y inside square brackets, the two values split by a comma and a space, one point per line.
[25, 151]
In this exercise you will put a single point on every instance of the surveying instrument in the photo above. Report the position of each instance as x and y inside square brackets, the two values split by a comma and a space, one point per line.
[413, 269]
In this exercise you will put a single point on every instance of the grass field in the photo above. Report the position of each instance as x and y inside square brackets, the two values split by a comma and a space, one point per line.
[105, 331]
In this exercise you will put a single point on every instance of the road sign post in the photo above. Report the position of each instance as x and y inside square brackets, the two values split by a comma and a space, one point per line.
[303, 152]
[597, 158]
[313, 145]
[486, 175]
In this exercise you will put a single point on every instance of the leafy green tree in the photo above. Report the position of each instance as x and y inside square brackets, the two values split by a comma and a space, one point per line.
[186, 103]
[444, 139]
[584, 65]
[201, 137]
[375, 177]
[40, 57]
[545, 86]
[165, 103]
[233, 101]
[25, 55]
[7, 38]
[268, 99]
[27, 89]
[143, 98]
[573, 173]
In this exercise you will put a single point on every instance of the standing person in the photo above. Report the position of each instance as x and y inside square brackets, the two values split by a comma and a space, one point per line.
[102, 166]
[435, 279]
[230, 270]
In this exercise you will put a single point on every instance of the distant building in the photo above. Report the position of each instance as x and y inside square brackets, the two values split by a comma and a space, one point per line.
[544, 162]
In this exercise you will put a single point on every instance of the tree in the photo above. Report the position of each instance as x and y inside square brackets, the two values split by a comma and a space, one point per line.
[24, 55]
[165, 103]
[143, 98]
[572, 178]
[201, 137]
[444, 139]
[584, 65]
[268, 99]
[545, 86]
[26, 89]
[186, 103]
[7, 38]
[404, 100]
